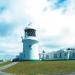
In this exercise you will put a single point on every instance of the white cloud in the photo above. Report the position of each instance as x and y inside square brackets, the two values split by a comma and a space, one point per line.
[7, 16]
[54, 28]
[49, 23]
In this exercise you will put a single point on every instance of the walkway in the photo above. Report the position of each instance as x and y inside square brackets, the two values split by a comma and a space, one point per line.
[3, 73]
[73, 73]
[70, 74]
[7, 66]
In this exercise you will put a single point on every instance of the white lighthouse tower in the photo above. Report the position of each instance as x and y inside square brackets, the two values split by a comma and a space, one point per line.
[30, 44]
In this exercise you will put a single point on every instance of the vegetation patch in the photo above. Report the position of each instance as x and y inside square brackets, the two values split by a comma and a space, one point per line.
[4, 63]
[42, 67]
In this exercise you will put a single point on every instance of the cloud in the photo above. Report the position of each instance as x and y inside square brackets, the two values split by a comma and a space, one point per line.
[54, 30]
[10, 46]
[11, 24]
[3, 6]
[56, 4]
[5, 29]
[63, 6]
[7, 20]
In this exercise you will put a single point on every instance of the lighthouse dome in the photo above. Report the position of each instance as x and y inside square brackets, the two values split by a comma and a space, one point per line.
[30, 31]
[30, 26]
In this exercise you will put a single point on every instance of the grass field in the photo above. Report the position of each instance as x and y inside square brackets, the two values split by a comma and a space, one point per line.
[42, 67]
[4, 63]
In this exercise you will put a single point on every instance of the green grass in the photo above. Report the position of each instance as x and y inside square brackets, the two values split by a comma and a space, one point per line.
[4, 63]
[42, 67]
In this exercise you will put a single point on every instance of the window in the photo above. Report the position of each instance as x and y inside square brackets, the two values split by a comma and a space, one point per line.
[60, 55]
[73, 55]
[55, 55]
[65, 54]
[30, 32]
[47, 56]
[29, 46]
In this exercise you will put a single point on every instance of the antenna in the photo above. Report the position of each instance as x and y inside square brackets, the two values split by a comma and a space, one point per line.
[30, 24]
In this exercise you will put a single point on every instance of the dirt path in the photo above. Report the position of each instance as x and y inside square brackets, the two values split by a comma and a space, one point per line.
[8, 65]
[3, 73]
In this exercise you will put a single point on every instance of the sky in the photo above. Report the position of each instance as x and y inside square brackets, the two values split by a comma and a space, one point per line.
[53, 19]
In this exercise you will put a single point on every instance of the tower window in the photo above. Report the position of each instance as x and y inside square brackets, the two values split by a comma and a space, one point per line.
[29, 46]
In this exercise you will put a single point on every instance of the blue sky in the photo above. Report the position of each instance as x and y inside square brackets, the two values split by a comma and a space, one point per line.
[54, 20]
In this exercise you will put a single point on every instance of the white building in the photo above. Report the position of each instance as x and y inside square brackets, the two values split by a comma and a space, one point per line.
[63, 54]
[30, 45]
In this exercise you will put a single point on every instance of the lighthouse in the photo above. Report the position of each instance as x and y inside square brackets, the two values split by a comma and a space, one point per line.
[30, 44]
